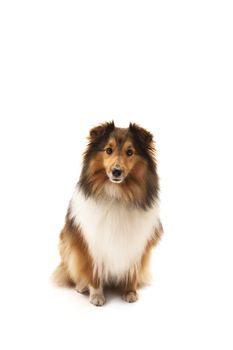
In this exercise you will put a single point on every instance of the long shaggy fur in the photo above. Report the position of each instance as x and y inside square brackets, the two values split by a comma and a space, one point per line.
[61, 277]
[112, 223]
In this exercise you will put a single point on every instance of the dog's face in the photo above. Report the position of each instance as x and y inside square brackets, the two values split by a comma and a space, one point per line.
[123, 157]
[119, 156]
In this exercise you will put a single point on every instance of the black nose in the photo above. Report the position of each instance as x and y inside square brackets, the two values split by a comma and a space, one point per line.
[116, 172]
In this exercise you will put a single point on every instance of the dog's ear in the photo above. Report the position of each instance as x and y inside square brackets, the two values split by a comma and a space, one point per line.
[141, 134]
[101, 130]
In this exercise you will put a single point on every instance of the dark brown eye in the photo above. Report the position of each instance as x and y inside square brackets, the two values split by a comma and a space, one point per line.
[109, 150]
[129, 152]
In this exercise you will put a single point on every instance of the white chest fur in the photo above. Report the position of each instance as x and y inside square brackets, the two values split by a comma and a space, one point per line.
[116, 235]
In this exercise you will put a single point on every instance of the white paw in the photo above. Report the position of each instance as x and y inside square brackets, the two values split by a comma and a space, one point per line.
[130, 297]
[97, 299]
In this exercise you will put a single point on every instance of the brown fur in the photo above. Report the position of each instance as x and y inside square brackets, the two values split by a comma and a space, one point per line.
[140, 189]
[75, 256]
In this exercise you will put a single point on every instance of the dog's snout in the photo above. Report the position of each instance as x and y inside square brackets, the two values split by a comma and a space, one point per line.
[116, 172]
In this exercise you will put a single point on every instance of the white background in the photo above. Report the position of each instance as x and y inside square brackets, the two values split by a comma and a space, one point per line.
[67, 65]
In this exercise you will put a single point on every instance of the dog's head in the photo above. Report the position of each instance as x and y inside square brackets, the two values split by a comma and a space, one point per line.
[120, 162]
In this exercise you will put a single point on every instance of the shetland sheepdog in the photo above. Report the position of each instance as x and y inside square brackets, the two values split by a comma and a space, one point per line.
[112, 222]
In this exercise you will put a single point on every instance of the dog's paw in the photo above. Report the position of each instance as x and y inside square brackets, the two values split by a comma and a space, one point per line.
[97, 299]
[130, 297]
[81, 289]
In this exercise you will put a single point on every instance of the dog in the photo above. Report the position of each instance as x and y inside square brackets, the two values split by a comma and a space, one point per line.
[112, 222]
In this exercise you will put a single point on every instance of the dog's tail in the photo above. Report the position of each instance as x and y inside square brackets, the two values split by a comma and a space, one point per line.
[61, 278]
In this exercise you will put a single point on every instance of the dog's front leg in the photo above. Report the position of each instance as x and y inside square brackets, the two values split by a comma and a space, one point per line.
[129, 293]
[96, 295]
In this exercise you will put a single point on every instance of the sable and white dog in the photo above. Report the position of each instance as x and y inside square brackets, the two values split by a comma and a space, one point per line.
[112, 222]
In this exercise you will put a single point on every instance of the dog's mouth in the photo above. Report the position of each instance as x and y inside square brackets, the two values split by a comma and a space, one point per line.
[115, 180]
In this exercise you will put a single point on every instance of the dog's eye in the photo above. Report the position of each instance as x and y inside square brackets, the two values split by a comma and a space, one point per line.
[109, 150]
[129, 152]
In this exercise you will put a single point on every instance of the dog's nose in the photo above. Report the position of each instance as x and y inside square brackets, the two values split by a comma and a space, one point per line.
[116, 172]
